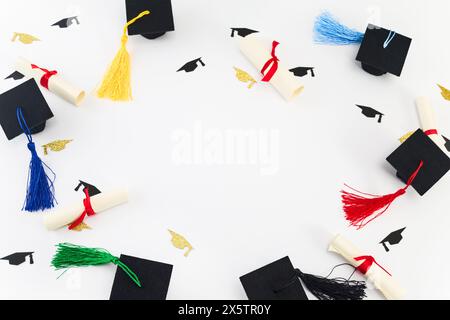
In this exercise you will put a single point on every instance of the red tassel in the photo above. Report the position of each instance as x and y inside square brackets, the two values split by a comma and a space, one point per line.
[358, 207]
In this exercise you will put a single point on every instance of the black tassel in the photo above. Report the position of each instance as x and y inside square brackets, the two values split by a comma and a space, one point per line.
[333, 289]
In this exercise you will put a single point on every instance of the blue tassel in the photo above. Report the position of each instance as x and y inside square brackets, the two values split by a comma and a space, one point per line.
[40, 189]
[327, 30]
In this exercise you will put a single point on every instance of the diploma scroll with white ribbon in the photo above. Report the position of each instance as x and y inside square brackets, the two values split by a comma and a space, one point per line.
[428, 122]
[258, 53]
[56, 83]
[103, 201]
[379, 277]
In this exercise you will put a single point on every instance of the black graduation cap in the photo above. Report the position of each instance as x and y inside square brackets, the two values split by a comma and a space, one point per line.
[383, 51]
[92, 190]
[66, 22]
[243, 32]
[407, 157]
[447, 144]
[19, 258]
[393, 238]
[302, 71]
[275, 281]
[191, 65]
[370, 112]
[154, 25]
[153, 276]
[34, 107]
[16, 75]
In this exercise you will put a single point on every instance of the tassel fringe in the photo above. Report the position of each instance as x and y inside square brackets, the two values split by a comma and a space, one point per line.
[328, 30]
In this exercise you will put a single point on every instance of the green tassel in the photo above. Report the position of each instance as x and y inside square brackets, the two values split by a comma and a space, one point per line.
[69, 255]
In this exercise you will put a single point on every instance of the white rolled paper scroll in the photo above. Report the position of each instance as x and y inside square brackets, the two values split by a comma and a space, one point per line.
[56, 83]
[380, 279]
[258, 53]
[103, 201]
[428, 121]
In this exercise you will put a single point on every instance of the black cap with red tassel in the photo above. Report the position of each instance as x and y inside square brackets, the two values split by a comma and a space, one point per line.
[419, 162]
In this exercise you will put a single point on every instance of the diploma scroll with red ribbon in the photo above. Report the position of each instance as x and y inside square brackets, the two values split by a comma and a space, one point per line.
[52, 81]
[262, 54]
[368, 266]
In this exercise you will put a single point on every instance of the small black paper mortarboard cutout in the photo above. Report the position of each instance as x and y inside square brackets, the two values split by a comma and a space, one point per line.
[66, 22]
[92, 190]
[393, 238]
[370, 112]
[35, 109]
[302, 71]
[156, 24]
[447, 143]
[383, 51]
[419, 147]
[192, 65]
[243, 32]
[16, 75]
[270, 282]
[19, 258]
[153, 276]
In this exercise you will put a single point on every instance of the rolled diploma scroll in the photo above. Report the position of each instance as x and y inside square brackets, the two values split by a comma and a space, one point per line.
[56, 83]
[100, 202]
[428, 121]
[380, 279]
[258, 53]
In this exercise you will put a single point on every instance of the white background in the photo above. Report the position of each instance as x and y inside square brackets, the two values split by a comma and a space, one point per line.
[236, 218]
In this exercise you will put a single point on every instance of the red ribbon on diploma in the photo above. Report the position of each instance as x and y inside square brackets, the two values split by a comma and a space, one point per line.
[430, 132]
[87, 210]
[46, 77]
[367, 263]
[272, 63]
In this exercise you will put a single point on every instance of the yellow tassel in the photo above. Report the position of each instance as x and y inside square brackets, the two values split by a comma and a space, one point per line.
[116, 83]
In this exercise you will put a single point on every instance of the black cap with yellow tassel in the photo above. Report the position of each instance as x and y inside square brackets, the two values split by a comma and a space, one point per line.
[116, 82]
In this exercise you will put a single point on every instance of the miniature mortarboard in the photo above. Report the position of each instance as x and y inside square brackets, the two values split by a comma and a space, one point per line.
[243, 32]
[153, 276]
[24, 110]
[302, 71]
[419, 162]
[370, 112]
[191, 65]
[381, 51]
[19, 258]
[92, 190]
[66, 22]
[34, 107]
[447, 143]
[280, 281]
[419, 147]
[15, 75]
[154, 25]
[393, 238]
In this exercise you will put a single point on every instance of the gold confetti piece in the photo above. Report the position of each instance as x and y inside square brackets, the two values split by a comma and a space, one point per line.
[57, 145]
[180, 242]
[445, 92]
[243, 76]
[24, 38]
[406, 136]
[81, 227]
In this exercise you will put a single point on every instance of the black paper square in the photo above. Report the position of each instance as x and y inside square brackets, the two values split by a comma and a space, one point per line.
[158, 22]
[275, 281]
[35, 109]
[378, 60]
[406, 158]
[154, 277]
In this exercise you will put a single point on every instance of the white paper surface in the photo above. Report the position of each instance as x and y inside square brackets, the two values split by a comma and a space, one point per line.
[239, 215]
